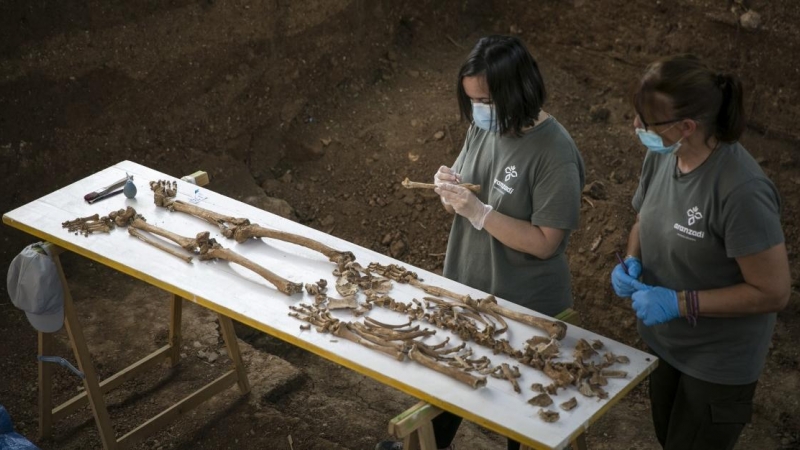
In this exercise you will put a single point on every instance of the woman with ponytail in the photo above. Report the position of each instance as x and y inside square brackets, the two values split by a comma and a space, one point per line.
[707, 268]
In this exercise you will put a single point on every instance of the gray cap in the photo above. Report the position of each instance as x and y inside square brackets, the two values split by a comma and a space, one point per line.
[35, 287]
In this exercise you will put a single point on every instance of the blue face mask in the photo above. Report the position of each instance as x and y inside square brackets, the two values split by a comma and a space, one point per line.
[655, 144]
[483, 116]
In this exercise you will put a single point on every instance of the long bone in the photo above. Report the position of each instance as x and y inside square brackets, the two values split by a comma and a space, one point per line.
[248, 231]
[187, 244]
[240, 228]
[408, 184]
[210, 249]
[159, 245]
[460, 375]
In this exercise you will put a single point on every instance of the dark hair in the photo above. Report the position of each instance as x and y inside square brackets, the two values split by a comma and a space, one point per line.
[513, 79]
[695, 92]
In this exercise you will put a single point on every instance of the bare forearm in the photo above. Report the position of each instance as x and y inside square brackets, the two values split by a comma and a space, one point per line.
[521, 235]
[634, 246]
[739, 300]
[766, 287]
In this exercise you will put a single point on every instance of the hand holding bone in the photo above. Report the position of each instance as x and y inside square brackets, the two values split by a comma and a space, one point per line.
[465, 203]
[446, 175]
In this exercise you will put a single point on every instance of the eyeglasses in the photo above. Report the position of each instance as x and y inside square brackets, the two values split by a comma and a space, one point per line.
[645, 124]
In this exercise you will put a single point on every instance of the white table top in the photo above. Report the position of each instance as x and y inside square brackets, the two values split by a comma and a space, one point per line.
[244, 296]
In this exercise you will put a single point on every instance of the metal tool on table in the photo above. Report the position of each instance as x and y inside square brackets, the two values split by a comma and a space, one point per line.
[106, 192]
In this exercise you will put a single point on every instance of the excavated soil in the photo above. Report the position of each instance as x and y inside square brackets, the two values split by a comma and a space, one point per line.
[317, 110]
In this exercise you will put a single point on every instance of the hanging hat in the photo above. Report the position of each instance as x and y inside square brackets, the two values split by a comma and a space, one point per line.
[35, 287]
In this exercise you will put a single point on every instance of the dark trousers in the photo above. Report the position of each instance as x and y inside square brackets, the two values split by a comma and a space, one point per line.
[445, 426]
[691, 414]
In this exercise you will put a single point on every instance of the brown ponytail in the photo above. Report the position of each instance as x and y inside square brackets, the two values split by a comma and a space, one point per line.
[730, 119]
[694, 92]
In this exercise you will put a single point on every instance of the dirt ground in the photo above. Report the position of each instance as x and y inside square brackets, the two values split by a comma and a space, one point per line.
[316, 110]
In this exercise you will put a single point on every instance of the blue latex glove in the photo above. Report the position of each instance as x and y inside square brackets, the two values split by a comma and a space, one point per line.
[625, 284]
[655, 305]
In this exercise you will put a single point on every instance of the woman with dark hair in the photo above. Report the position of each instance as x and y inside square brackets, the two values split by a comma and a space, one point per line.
[709, 248]
[509, 239]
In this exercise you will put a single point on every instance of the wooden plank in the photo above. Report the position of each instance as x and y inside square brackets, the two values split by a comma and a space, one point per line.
[427, 441]
[143, 365]
[229, 335]
[85, 365]
[412, 419]
[177, 410]
[45, 386]
[175, 329]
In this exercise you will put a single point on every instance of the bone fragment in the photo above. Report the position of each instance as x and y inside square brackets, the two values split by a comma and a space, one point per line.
[537, 387]
[408, 184]
[159, 245]
[569, 404]
[345, 288]
[541, 400]
[549, 416]
[558, 374]
[614, 373]
[511, 377]
[210, 249]
[464, 377]
[348, 302]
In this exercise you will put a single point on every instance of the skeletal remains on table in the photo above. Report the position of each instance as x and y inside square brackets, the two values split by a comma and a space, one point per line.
[202, 245]
[478, 320]
[554, 328]
[89, 225]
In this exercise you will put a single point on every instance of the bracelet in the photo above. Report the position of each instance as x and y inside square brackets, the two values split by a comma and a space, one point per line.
[692, 306]
[682, 303]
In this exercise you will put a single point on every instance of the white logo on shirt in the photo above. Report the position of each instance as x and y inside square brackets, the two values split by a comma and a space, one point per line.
[511, 172]
[694, 215]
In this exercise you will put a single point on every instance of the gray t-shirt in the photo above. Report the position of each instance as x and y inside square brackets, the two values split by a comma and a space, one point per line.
[537, 177]
[691, 227]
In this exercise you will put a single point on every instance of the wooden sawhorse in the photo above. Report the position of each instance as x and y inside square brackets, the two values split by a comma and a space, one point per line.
[415, 428]
[94, 388]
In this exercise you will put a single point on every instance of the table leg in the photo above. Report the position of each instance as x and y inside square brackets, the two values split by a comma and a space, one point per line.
[45, 386]
[81, 351]
[175, 330]
[229, 334]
